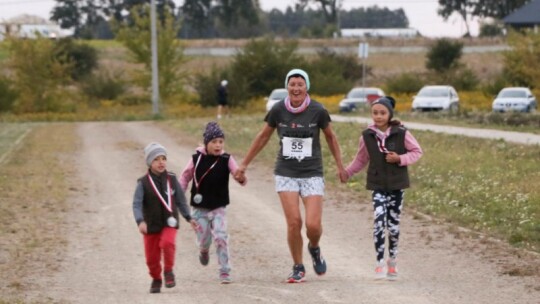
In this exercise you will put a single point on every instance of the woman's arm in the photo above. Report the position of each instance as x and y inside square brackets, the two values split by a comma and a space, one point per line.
[257, 145]
[333, 144]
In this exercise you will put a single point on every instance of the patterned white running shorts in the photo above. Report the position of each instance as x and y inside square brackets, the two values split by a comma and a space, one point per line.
[305, 186]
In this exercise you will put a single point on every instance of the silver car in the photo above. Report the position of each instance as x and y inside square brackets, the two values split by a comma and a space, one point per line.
[275, 97]
[436, 98]
[358, 98]
[517, 99]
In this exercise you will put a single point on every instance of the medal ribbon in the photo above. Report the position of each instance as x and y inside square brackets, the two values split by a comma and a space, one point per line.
[198, 182]
[167, 203]
[380, 144]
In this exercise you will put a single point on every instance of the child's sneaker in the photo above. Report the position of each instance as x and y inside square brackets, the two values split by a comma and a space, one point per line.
[155, 287]
[379, 270]
[392, 271]
[169, 279]
[297, 275]
[319, 264]
[204, 257]
[225, 278]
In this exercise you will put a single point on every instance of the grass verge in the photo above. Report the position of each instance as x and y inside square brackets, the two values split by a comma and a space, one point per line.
[34, 187]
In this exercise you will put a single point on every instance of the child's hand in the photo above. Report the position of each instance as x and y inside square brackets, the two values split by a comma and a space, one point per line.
[393, 157]
[241, 178]
[194, 225]
[343, 176]
[143, 228]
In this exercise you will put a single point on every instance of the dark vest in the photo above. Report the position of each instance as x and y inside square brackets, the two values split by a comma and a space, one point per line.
[155, 214]
[214, 187]
[382, 175]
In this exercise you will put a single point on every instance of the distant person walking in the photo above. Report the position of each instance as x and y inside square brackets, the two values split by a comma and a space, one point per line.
[223, 99]
[389, 148]
[298, 171]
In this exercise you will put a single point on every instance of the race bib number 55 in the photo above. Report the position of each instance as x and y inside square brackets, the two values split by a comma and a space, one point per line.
[297, 147]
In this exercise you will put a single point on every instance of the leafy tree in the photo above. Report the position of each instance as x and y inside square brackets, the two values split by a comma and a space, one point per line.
[8, 95]
[330, 8]
[38, 76]
[464, 8]
[444, 55]
[202, 14]
[136, 38]
[522, 62]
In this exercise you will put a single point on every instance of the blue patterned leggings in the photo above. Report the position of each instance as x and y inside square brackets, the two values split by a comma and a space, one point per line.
[213, 224]
[386, 215]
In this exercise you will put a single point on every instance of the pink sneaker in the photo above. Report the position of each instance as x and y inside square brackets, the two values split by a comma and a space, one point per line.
[379, 270]
[392, 272]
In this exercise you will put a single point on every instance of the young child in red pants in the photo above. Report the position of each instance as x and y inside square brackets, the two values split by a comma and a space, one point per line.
[156, 202]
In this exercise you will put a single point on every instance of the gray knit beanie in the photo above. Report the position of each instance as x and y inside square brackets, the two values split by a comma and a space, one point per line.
[152, 151]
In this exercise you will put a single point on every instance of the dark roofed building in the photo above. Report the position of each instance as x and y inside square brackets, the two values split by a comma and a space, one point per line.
[526, 16]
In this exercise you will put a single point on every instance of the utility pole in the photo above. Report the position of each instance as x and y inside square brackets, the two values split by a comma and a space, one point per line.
[155, 81]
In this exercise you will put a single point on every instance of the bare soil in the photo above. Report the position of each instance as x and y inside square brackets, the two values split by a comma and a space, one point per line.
[104, 258]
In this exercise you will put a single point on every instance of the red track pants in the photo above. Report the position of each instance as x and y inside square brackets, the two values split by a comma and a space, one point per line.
[154, 245]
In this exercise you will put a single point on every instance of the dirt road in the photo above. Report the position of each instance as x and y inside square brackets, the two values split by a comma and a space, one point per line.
[105, 262]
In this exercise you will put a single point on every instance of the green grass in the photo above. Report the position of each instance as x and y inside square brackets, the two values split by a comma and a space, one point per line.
[489, 186]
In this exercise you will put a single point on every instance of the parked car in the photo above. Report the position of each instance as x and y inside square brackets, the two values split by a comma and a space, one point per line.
[275, 96]
[436, 98]
[518, 99]
[358, 98]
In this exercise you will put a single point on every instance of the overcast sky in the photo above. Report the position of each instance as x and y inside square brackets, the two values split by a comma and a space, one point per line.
[422, 14]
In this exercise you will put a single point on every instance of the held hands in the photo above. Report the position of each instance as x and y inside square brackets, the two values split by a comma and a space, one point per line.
[393, 158]
[194, 225]
[240, 174]
[343, 175]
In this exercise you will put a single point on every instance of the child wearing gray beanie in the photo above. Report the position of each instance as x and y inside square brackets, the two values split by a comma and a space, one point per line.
[152, 151]
[157, 200]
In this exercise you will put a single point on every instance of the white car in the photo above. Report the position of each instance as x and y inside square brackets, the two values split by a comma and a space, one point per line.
[275, 96]
[358, 98]
[518, 99]
[436, 98]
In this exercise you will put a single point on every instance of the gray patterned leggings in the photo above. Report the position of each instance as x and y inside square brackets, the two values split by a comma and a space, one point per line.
[386, 214]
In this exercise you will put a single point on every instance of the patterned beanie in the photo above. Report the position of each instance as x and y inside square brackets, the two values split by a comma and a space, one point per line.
[387, 101]
[212, 131]
[152, 151]
[297, 72]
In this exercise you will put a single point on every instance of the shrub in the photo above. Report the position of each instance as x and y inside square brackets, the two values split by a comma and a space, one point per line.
[463, 79]
[7, 94]
[491, 30]
[331, 73]
[82, 57]
[105, 84]
[404, 83]
[444, 55]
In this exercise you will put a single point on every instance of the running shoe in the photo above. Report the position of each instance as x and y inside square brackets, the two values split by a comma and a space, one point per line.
[392, 271]
[297, 275]
[225, 278]
[379, 270]
[169, 279]
[319, 264]
[155, 287]
[204, 257]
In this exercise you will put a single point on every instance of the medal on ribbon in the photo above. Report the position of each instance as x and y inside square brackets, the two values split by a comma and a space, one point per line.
[198, 198]
[171, 221]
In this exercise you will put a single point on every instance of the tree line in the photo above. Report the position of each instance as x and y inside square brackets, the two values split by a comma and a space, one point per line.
[93, 19]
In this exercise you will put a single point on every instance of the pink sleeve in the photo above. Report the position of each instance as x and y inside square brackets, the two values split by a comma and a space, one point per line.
[361, 159]
[414, 151]
[187, 175]
[233, 166]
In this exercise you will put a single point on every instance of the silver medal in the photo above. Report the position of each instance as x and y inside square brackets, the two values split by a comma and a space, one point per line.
[197, 199]
[171, 221]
